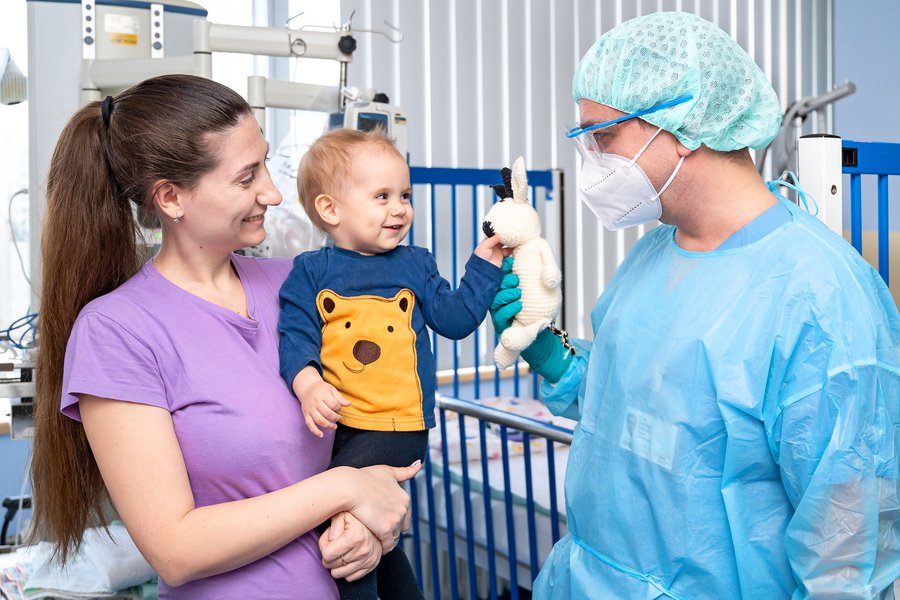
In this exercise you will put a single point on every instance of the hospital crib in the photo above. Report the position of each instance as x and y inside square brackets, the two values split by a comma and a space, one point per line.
[487, 506]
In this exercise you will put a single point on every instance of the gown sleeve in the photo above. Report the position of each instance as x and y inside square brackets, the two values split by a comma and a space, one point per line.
[837, 449]
[565, 398]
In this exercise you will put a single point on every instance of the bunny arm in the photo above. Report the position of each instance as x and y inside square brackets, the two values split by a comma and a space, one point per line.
[551, 276]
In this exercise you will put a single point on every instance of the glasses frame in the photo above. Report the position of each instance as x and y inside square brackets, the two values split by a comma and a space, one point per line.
[576, 131]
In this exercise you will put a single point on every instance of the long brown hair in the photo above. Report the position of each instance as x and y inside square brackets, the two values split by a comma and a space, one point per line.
[104, 168]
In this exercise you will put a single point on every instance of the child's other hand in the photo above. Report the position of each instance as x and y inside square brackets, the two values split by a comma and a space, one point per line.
[490, 250]
[321, 404]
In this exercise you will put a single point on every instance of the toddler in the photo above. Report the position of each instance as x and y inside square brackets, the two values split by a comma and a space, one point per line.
[353, 340]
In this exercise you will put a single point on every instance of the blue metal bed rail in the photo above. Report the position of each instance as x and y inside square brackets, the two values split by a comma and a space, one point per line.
[453, 537]
[871, 158]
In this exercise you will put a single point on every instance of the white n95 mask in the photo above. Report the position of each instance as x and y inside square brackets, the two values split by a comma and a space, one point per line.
[618, 191]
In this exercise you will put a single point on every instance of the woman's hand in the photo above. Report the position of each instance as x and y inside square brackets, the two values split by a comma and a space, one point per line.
[349, 550]
[380, 503]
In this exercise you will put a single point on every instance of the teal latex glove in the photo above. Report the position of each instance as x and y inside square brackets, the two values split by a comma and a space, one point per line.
[506, 304]
[547, 355]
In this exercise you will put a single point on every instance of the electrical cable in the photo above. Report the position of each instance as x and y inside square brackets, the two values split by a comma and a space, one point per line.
[12, 232]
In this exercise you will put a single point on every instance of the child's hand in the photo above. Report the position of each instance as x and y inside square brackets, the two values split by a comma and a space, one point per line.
[490, 250]
[321, 403]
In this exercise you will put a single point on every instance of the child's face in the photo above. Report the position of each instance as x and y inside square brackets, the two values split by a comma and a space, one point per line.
[374, 203]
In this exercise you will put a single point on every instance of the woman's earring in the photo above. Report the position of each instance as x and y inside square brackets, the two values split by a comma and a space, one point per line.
[177, 219]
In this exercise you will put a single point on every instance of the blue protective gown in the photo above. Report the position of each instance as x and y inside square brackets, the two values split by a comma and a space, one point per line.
[739, 426]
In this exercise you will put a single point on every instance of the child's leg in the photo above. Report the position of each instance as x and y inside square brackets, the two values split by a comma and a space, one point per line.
[360, 448]
[396, 580]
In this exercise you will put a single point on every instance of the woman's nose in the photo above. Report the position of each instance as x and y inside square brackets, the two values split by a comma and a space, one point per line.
[270, 196]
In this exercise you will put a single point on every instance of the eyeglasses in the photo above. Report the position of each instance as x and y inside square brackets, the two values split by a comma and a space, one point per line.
[593, 144]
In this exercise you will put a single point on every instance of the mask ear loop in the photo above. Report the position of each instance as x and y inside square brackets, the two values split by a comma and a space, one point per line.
[674, 173]
[803, 196]
[671, 177]
[645, 146]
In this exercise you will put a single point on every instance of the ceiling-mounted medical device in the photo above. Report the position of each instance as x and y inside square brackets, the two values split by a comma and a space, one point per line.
[12, 82]
[368, 111]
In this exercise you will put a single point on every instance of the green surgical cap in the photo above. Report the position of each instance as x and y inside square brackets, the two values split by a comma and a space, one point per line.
[663, 56]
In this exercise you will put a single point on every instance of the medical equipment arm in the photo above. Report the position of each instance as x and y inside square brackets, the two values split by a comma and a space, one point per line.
[550, 353]
[837, 448]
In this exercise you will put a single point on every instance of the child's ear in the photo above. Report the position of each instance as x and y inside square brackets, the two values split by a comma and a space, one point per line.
[327, 209]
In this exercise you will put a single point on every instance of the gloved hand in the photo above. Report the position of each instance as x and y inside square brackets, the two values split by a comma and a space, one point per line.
[547, 355]
[506, 304]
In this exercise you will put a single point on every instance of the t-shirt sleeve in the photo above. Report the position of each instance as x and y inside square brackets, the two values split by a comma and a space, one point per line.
[299, 329]
[104, 359]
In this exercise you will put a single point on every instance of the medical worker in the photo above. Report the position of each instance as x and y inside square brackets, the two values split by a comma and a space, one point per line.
[739, 407]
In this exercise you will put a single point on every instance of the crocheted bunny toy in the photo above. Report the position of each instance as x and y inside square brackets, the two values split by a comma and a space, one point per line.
[519, 227]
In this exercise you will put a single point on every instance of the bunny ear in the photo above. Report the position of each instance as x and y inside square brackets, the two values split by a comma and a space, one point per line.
[505, 190]
[519, 181]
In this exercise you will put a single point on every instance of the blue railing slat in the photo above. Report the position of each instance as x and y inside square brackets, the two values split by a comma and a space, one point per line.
[454, 176]
[488, 514]
[873, 158]
[551, 483]
[510, 523]
[856, 212]
[417, 534]
[432, 529]
[529, 504]
[448, 500]
[467, 506]
[883, 228]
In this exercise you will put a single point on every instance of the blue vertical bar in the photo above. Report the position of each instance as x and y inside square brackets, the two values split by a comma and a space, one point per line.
[417, 535]
[510, 524]
[412, 227]
[529, 504]
[467, 507]
[476, 359]
[448, 501]
[432, 528]
[535, 386]
[454, 250]
[883, 228]
[434, 251]
[488, 514]
[856, 212]
[551, 483]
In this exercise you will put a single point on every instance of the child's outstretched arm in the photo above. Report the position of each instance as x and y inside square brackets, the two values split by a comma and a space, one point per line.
[320, 401]
[457, 313]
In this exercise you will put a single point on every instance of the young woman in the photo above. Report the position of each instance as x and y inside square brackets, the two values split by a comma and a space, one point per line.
[158, 384]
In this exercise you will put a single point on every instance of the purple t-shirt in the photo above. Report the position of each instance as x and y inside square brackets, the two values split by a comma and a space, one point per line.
[240, 429]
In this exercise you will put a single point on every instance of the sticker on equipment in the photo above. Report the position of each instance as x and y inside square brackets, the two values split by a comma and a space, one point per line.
[650, 438]
[122, 29]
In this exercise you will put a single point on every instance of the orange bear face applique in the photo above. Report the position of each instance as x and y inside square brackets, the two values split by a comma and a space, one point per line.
[369, 354]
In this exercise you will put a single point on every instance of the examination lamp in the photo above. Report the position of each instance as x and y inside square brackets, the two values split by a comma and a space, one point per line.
[12, 82]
